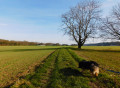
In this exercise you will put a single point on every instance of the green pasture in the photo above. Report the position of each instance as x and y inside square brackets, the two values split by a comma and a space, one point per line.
[60, 70]
[108, 58]
[57, 67]
[17, 60]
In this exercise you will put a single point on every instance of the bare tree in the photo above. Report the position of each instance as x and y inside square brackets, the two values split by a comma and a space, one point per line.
[81, 21]
[111, 25]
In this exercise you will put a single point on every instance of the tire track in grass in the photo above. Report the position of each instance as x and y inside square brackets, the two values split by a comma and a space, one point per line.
[60, 70]
[66, 73]
[41, 76]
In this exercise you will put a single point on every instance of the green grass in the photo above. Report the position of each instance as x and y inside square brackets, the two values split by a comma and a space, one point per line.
[17, 61]
[109, 59]
[41, 76]
[58, 69]
[66, 73]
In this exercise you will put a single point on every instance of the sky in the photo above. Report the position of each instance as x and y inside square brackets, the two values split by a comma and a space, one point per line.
[39, 20]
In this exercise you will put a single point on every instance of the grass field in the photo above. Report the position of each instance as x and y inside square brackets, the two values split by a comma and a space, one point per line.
[16, 61]
[62, 74]
[60, 70]
[107, 56]
[57, 67]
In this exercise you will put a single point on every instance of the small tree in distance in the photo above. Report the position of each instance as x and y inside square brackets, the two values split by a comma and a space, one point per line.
[80, 22]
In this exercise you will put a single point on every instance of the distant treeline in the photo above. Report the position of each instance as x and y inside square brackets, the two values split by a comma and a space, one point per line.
[15, 43]
[105, 44]
[4, 42]
[52, 44]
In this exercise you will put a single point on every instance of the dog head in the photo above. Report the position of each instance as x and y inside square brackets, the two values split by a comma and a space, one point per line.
[95, 70]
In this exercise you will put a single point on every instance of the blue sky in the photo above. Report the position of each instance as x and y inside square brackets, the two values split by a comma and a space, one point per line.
[38, 20]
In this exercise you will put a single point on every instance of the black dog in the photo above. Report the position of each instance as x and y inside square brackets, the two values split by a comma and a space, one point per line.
[90, 65]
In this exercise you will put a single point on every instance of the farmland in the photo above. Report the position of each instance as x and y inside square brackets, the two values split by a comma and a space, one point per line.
[60, 70]
[57, 67]
[107, 56]
[20, 60]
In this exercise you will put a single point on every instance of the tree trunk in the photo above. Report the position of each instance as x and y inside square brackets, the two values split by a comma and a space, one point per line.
[79, 45]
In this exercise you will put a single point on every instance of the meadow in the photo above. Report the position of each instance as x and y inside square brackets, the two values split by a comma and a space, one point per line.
[16, 61]
[108, 58]
[60, 70]
[57, 67]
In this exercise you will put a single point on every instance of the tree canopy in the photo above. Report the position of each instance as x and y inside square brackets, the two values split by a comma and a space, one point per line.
[80, 22]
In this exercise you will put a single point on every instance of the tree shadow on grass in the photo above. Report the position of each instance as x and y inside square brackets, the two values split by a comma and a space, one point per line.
[17, 50]
[93, 50]
[70, 72]
[74, 72]
[22, 50]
